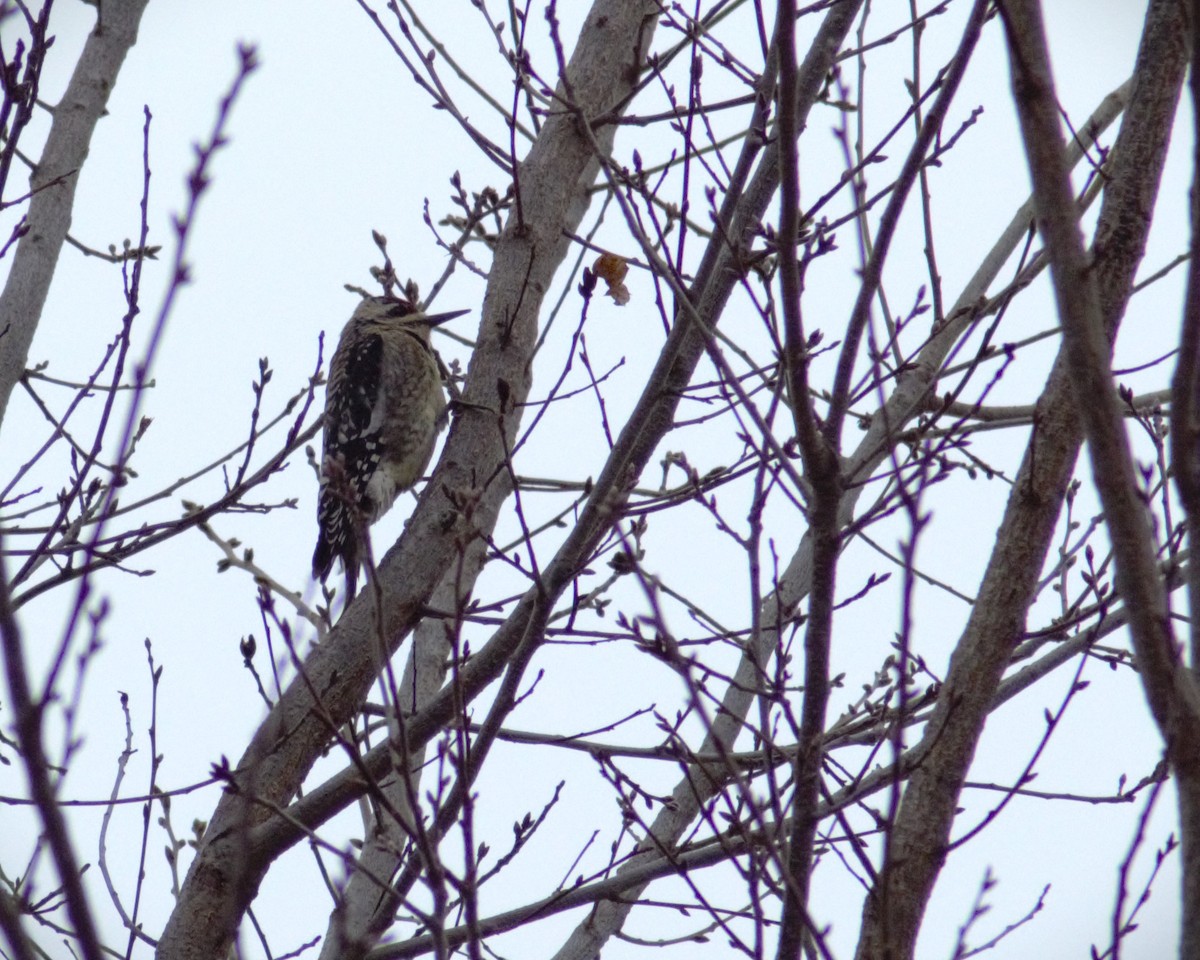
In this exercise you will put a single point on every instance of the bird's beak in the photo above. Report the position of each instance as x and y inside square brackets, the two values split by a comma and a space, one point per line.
[434, 319]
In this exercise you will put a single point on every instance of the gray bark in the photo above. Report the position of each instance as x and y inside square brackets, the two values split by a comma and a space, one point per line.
[917, 850]
[453, 510]
[55, 182]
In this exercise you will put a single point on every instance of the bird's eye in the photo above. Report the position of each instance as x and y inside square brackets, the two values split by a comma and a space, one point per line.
[400, 310]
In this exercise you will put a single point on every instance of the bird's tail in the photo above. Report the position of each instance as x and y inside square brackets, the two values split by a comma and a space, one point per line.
[322, 563]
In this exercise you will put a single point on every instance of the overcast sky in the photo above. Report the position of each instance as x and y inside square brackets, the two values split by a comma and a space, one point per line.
[329, 141]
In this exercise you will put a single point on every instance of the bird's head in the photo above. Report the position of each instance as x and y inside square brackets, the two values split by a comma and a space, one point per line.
[397, 309]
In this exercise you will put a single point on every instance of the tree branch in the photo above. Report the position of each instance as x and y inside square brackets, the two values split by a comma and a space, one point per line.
[49, 215]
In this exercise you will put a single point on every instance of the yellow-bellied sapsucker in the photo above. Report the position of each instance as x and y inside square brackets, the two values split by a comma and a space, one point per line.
[384, 407]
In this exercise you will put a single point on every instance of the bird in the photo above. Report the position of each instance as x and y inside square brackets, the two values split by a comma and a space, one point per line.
[384, 407]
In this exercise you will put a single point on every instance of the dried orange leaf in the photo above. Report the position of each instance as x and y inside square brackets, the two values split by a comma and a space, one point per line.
[612, 269]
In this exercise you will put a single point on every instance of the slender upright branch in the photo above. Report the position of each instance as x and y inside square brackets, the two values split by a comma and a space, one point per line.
[919, 839]
[49, 216]
[29, 709]
[1170, 688]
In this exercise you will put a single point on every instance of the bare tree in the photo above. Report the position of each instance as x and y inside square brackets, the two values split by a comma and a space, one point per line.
[715, 506]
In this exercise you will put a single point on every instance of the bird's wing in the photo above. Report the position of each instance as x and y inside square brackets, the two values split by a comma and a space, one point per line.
[352, 449]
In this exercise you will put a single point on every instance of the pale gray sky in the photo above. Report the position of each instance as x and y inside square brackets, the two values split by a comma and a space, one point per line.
[329, 141]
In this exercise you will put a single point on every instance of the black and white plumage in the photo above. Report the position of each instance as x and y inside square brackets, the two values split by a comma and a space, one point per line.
[384, 406]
